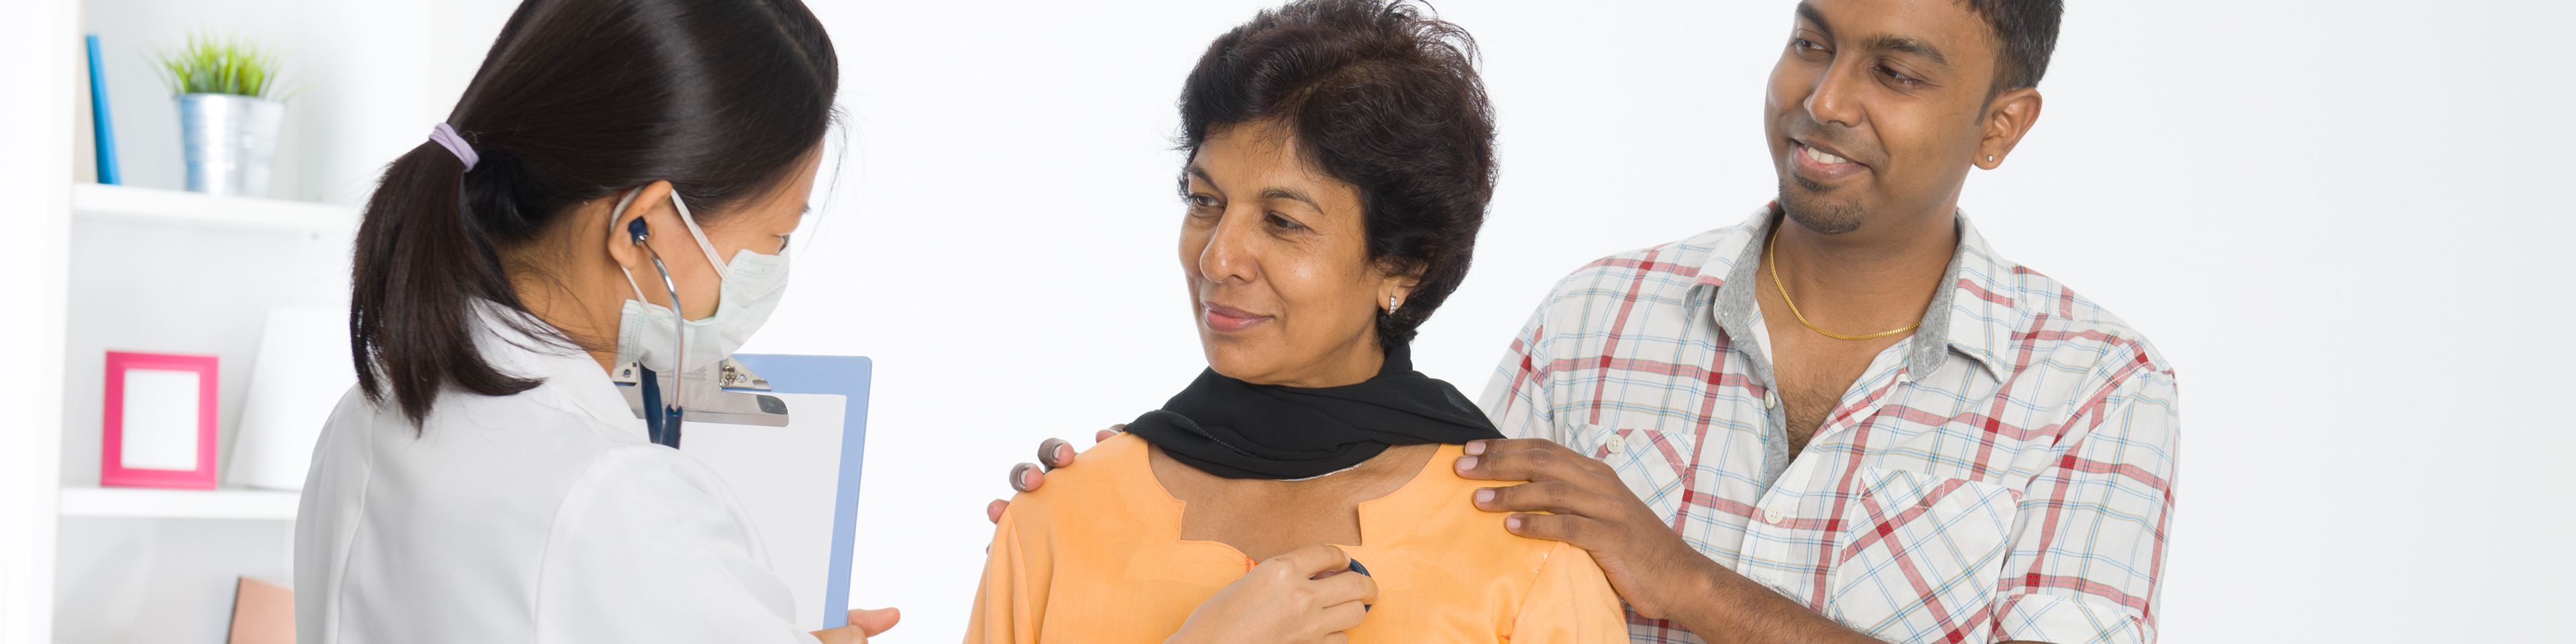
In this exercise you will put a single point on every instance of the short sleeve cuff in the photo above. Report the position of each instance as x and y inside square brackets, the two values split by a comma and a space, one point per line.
[2062, 620]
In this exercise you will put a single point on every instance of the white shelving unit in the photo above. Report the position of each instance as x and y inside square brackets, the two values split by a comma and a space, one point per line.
[92, 201]
[167, 271]
[145, 503]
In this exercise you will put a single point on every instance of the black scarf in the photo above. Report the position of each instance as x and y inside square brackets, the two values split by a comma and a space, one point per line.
[1241, 430]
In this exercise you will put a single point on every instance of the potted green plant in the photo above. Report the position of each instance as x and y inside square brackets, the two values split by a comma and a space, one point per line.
[229, 112]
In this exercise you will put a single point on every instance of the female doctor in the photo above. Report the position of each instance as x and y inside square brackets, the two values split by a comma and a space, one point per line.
[486, 482]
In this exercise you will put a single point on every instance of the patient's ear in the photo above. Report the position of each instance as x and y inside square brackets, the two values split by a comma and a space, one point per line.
[1398, 277]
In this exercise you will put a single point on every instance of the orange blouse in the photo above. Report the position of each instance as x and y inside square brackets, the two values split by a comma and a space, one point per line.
[1096, 556]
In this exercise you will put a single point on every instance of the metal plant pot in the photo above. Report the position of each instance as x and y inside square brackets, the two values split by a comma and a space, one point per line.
[231, 142]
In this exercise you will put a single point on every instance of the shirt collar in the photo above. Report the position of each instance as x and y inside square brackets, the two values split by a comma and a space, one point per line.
[507, 344]
[1969, 314]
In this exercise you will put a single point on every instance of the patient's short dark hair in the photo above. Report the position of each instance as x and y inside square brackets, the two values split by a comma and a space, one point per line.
[1377, 94]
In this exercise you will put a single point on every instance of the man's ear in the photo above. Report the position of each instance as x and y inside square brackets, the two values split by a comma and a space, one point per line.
[2008, 118]
[652, 205]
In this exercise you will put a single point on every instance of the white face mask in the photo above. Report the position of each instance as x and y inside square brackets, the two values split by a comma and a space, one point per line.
[751, 287]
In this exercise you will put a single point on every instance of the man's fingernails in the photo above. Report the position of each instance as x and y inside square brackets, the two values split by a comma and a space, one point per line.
[1466, 463]
[1485, 495]
[1048, 451]
[1475, 448]
[1512, 524]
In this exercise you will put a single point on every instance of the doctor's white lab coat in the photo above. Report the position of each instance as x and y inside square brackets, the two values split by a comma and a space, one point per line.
[541, 517]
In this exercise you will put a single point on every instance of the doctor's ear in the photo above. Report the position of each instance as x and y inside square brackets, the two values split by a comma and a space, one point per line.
[648, 210]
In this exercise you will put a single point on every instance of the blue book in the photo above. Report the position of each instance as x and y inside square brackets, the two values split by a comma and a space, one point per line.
[105, 129]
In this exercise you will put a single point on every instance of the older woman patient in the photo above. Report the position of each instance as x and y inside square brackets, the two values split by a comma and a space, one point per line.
[1340, 159]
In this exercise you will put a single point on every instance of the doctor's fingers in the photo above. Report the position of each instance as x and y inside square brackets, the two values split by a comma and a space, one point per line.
[864, 623]
[874, 621]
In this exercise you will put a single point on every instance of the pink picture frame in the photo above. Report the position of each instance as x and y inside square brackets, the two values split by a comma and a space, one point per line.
[158, 420]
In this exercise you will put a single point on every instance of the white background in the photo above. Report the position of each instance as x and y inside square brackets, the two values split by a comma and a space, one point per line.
[2343, 222]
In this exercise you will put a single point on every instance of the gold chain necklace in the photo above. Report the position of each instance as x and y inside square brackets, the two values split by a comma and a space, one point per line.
[1771, 256]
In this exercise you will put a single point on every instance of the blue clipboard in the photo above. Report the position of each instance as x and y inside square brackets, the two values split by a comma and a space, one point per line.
[847, 377]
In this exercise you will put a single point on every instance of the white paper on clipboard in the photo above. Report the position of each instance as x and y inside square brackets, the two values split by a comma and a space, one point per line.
[787, 479]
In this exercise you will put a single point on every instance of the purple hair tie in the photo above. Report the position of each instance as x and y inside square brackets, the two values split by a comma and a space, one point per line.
[446, 137]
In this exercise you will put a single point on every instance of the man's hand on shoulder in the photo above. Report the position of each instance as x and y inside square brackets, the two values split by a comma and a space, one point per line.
[1646, 561]
[1055, 453]
[1652, 568]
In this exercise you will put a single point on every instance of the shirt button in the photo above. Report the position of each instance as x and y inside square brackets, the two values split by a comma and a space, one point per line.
[1616, 443]
[1773, 516]
[1771, 399]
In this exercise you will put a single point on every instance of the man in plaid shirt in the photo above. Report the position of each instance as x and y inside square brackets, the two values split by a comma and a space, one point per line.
[1847, 419]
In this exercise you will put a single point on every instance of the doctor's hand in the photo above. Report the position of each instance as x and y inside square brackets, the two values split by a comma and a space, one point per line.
[1300, 597]
[863, 625]
[1647, 562]
[1026, 477]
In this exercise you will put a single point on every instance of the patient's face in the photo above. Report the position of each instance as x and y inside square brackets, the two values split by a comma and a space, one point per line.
[1276, 256]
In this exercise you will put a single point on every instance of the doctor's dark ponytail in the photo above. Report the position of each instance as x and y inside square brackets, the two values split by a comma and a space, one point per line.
[577, 100]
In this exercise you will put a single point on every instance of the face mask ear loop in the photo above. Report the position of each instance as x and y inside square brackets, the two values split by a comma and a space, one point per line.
[723, 272]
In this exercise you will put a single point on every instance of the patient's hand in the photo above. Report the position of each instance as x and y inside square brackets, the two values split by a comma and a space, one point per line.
[1026, 477]
[1298, 597]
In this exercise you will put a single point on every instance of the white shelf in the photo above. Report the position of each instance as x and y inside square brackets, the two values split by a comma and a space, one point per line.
[91, 200]
[223, 503]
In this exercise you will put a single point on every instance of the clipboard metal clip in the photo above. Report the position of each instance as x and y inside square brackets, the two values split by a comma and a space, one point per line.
[720, 393]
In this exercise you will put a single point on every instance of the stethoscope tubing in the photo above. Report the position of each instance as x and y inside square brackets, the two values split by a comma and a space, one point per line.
[671, 410]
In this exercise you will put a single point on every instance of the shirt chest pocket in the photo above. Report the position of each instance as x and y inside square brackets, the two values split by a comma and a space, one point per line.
[1654, 463]
[1922, 555]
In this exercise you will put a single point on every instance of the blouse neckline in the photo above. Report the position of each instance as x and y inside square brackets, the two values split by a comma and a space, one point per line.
[1378, 516]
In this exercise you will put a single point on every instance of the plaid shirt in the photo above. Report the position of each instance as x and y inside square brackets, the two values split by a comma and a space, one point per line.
[2006, 473]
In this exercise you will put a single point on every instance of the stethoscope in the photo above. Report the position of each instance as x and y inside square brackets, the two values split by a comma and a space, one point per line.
[661, 417]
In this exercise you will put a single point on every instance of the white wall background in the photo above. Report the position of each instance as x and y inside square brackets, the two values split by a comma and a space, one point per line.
[2342, 221]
